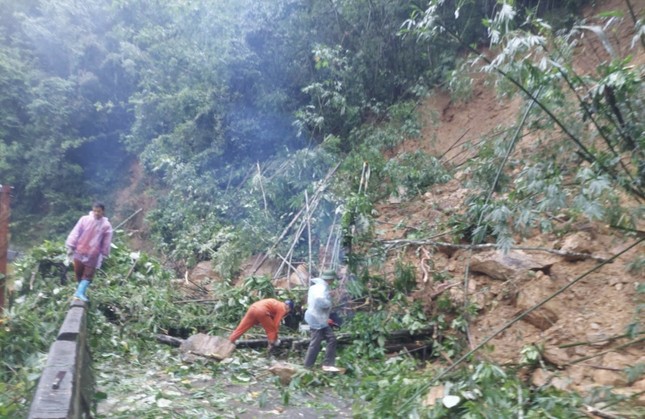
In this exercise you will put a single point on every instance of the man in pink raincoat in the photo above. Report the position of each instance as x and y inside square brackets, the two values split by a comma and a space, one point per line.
[88, 244]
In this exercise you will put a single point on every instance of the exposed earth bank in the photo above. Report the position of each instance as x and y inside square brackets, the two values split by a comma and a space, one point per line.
[582, 332]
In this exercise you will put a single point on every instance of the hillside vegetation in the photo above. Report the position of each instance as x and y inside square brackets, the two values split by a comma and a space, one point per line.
[475, 167]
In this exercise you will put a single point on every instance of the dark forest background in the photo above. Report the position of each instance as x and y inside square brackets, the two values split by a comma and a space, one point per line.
[203, 93]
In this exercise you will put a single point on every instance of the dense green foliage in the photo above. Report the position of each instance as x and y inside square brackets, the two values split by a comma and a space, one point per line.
[198, 91]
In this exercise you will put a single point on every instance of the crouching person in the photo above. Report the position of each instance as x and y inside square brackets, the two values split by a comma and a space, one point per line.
[317, 317]
[87, 245]
[268, 313]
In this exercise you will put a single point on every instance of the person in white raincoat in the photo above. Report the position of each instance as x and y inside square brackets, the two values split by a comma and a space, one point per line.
[317, 317]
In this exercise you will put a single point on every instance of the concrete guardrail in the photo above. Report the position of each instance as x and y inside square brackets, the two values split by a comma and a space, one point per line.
[66, 386]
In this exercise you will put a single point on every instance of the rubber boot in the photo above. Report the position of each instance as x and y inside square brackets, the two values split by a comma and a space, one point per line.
[80, 291]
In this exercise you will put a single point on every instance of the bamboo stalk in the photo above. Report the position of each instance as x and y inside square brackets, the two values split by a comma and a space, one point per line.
[264, 197]
[624, 345]
[454, 144]
[291, 267]
[308, 228]
[318, 191]
[128, 219]
[201, 300]
[301, 228]
[609, 339]
[331, 233]
[391, 244]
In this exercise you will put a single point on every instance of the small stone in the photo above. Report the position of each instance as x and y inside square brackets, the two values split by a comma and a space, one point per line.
[576, 373]
[561, 383]
[598, 339]
[539, 377]
[542, 318]
[639, 385]
[284, 371]
[608, 378]
[435, 393]
[163, 403]
[555, 356]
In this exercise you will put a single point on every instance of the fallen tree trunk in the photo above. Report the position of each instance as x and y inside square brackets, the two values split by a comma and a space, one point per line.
[170, 340]
[395, 341]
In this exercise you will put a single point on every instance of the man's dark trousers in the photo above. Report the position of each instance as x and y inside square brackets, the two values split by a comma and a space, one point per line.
[317, 336]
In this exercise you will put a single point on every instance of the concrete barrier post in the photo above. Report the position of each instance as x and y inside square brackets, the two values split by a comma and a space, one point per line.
[66, 386]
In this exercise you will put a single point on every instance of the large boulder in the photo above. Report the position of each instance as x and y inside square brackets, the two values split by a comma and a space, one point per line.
[284, 371]
[297, 278]
[579, 242]
[205, 346]
[533, 292]
[511, 265]
[250, 266]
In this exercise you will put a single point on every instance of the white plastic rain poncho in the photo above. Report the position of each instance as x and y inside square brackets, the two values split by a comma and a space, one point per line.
[318, 304]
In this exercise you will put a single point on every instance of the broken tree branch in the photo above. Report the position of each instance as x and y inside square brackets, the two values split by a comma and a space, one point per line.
[128, 219]
[33, 277]
[127, 276]
[201, 300]
[392, 244]
[590, 342]
[169, 340]
[624, 345]
[593, 412]
[424, 267]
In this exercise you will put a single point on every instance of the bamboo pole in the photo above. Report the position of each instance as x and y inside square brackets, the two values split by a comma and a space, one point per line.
[308, 228]
[4, 240]
[301, 228]
[264, 197]
[331, 233]
[392, 244]
[318, 191]
[128, 219]
[624, 345]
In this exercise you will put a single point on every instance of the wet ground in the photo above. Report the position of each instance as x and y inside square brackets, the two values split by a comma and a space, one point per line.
[161, 386]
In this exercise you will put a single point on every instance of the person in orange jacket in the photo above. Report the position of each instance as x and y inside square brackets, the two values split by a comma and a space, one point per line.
[268, 313]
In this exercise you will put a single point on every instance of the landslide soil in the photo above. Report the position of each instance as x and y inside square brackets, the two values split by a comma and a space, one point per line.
[597, 308]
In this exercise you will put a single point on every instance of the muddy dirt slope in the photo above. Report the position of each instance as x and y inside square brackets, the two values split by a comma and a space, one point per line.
[581, 331]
